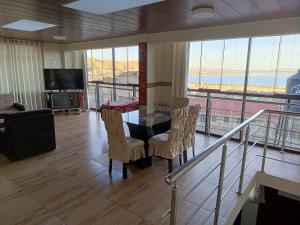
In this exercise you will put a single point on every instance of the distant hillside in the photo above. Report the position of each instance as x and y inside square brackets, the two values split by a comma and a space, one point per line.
[106, 65]
[195, 71]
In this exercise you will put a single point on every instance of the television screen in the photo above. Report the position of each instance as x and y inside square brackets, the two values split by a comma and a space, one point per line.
[63, 79]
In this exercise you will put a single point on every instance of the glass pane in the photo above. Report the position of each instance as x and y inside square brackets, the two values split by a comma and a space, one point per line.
[225, 112]
[201, 99]
[234, 65]
[121, 65]
[125, 93]
[133, 64]
[205, 64]
[289, 61]
[97, 60]
[89, 64]
[211, 64]
[194, 65]
[105, 93]
[263, 64]
[107, 65]
[92, 96]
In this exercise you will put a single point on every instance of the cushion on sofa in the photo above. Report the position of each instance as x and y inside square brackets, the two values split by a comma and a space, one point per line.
[6, 102]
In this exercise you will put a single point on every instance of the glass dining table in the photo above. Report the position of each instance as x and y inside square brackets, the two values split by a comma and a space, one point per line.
[143, 126]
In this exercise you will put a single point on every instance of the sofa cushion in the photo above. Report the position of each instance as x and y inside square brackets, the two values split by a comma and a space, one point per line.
[6, 101]
[9, 111]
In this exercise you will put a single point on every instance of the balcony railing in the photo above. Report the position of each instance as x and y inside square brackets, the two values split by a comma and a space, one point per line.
[248, 126]
[221, 111]
[101, 92]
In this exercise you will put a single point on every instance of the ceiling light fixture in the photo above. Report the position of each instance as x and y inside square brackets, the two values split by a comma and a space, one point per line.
[59, 37]
[28, 25]
[203, 12]
[101, 7]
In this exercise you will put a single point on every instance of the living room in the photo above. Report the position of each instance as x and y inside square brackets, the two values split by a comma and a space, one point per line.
[119, 112]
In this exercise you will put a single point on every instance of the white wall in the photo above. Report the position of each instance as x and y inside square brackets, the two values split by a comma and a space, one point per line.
[159, 73]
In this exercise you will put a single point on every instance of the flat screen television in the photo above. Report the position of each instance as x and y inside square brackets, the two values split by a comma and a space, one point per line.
[63, 79]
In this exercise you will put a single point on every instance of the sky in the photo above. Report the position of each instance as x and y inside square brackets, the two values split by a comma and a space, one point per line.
[120, 53]
[264, 53]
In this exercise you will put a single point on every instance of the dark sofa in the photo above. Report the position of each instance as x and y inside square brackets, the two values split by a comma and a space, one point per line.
[27, 133]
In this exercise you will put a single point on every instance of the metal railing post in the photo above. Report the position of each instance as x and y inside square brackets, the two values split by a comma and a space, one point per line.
[266, 143]
[97, 96]
[174, 204]
[220, 186]
[244, 160]
[286, 118]
[208, 114]
[134, 91]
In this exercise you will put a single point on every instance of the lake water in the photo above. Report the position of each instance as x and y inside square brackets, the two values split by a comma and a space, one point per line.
[259, 80]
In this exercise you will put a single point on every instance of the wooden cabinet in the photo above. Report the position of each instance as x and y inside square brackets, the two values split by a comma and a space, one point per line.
[65, 100]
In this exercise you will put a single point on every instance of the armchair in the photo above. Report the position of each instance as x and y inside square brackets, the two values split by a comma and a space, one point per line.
[27, 133]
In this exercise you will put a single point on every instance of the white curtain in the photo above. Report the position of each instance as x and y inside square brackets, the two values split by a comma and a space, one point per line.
[21, 72]
[180, 69]
[77, 60]
[74, 59]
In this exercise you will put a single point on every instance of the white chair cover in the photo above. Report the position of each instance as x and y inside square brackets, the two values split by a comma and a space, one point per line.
[190, 127]
[121, 148]
[169, 145]
[178, 103]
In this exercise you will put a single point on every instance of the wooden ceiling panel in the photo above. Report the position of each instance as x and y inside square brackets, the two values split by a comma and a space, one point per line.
[245, 7]
[267, 6]
[164, 16]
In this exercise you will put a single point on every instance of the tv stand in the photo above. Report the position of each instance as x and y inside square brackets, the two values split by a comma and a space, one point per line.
[76, 110]
[65, 101]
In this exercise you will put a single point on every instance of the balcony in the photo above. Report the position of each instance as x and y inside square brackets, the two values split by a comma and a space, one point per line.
[100, 92]
[222, 111]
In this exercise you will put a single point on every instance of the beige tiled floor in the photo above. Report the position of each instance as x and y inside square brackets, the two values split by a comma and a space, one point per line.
[71, 185]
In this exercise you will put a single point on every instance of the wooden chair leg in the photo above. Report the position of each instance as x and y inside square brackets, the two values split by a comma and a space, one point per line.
[193, 150]
[180, 159]
[185, 156]
[124, 171]
[170, 165]
[110, 165]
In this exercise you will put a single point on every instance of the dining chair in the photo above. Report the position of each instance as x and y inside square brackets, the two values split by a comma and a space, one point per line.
[178, 102]
[190, 130]
[169, 145]
[120, 147]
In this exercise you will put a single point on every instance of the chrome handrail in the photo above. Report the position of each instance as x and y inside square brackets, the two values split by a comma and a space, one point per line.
[172, 178]
[176, 174]
[179, 172]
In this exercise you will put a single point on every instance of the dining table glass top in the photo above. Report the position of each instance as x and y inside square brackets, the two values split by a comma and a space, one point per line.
[142, 118]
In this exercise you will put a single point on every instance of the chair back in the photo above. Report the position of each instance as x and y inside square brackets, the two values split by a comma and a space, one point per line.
[118, 148]
[190, 125]
[178, 103]
[176, 134]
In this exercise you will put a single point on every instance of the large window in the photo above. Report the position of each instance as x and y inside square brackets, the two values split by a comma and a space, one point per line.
[221, 64]
[218, 64]
[112, 74]
[219, 70]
